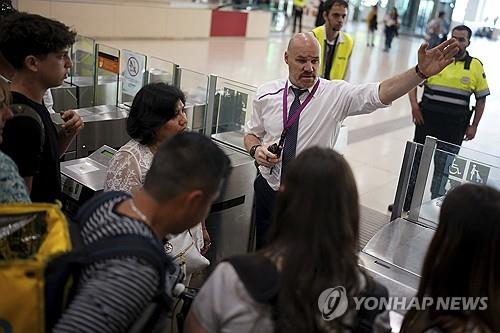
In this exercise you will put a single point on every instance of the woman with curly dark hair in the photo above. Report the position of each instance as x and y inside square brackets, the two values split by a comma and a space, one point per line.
[157, 113]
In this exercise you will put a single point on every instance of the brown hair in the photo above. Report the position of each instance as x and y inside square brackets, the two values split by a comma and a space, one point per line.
[315, 231]
[463, 260]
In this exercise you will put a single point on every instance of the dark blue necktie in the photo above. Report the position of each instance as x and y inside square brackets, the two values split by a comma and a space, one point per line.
[291, 137]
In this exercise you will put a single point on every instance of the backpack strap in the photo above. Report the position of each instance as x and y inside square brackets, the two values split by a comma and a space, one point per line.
[366, 318]
[91, 205]
[259, 276]
[23, 110]
[84, 212]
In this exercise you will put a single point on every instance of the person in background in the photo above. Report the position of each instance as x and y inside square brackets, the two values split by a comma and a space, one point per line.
[444, 111]
[37, 48]
[462, 262]
[436, 30]
[12, 186]
[391, 22]
[313, 246]
[336, 45]
[320, 20]
[298, 11]
[156, 114]
[372, 23]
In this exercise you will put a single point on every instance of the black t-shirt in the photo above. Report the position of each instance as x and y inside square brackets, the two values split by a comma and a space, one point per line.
[22, 142]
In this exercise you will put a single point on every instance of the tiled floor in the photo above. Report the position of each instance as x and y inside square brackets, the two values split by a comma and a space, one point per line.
[376, 146]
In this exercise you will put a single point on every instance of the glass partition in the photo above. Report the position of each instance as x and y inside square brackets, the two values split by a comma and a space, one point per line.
[83, 58]
[442, 167]
[160, 70]
[232, 108]
[195, 87]
[78, 88]
[107, 75]
[133, 75]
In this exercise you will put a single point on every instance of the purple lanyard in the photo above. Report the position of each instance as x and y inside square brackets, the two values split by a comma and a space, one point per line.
[287, 123]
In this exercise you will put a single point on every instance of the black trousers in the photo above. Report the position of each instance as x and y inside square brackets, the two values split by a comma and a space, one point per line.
[265, 197]
[297, 15]
[444, 128]
[441, 126]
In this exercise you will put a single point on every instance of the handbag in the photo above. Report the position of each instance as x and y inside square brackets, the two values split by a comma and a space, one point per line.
[185, 253]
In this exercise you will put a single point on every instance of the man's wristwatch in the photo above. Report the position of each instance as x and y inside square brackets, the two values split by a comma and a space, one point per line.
[253, 149]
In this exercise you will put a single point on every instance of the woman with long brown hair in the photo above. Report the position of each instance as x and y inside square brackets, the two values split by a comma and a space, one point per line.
[463, 261]
[313, 247]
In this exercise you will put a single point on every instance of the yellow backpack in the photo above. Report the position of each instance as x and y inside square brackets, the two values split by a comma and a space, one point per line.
[30, 236]
[41, 257]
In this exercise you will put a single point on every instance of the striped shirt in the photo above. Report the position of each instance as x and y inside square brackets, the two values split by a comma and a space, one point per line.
[112, 294]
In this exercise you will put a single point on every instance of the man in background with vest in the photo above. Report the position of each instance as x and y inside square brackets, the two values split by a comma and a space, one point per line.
[336, 46]
[444, 110]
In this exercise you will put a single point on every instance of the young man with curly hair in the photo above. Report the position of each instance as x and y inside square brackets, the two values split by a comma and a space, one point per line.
[37, 49]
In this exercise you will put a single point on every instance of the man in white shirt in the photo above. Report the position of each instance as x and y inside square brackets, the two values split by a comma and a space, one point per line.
[314, 116]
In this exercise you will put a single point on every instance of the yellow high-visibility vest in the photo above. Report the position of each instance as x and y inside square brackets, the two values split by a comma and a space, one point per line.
[343, 52]
[449, 91]
[299, 3]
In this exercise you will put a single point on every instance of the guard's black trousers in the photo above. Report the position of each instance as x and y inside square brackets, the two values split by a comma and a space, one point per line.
[443, 127]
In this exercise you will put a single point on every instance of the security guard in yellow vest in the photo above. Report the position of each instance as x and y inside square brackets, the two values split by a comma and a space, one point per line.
[336, 46]
[444, 111]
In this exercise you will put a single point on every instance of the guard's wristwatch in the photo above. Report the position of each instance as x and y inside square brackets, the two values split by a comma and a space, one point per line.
[253, 149]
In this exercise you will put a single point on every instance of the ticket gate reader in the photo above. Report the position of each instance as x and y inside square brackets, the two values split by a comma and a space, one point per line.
[82, 178]
[104, 125]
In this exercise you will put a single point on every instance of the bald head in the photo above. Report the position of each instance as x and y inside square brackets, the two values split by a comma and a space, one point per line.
[303, 39]
[302, 58]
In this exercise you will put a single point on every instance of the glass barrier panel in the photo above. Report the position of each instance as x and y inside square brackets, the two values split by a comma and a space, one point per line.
[233, 108]
[107, 75]
[78, 88]
[160, 70]
[450, 167]
[83, 58]
[195, 87]
[133, 75]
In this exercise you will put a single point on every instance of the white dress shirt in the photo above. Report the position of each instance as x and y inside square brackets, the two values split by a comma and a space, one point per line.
[319, 122]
